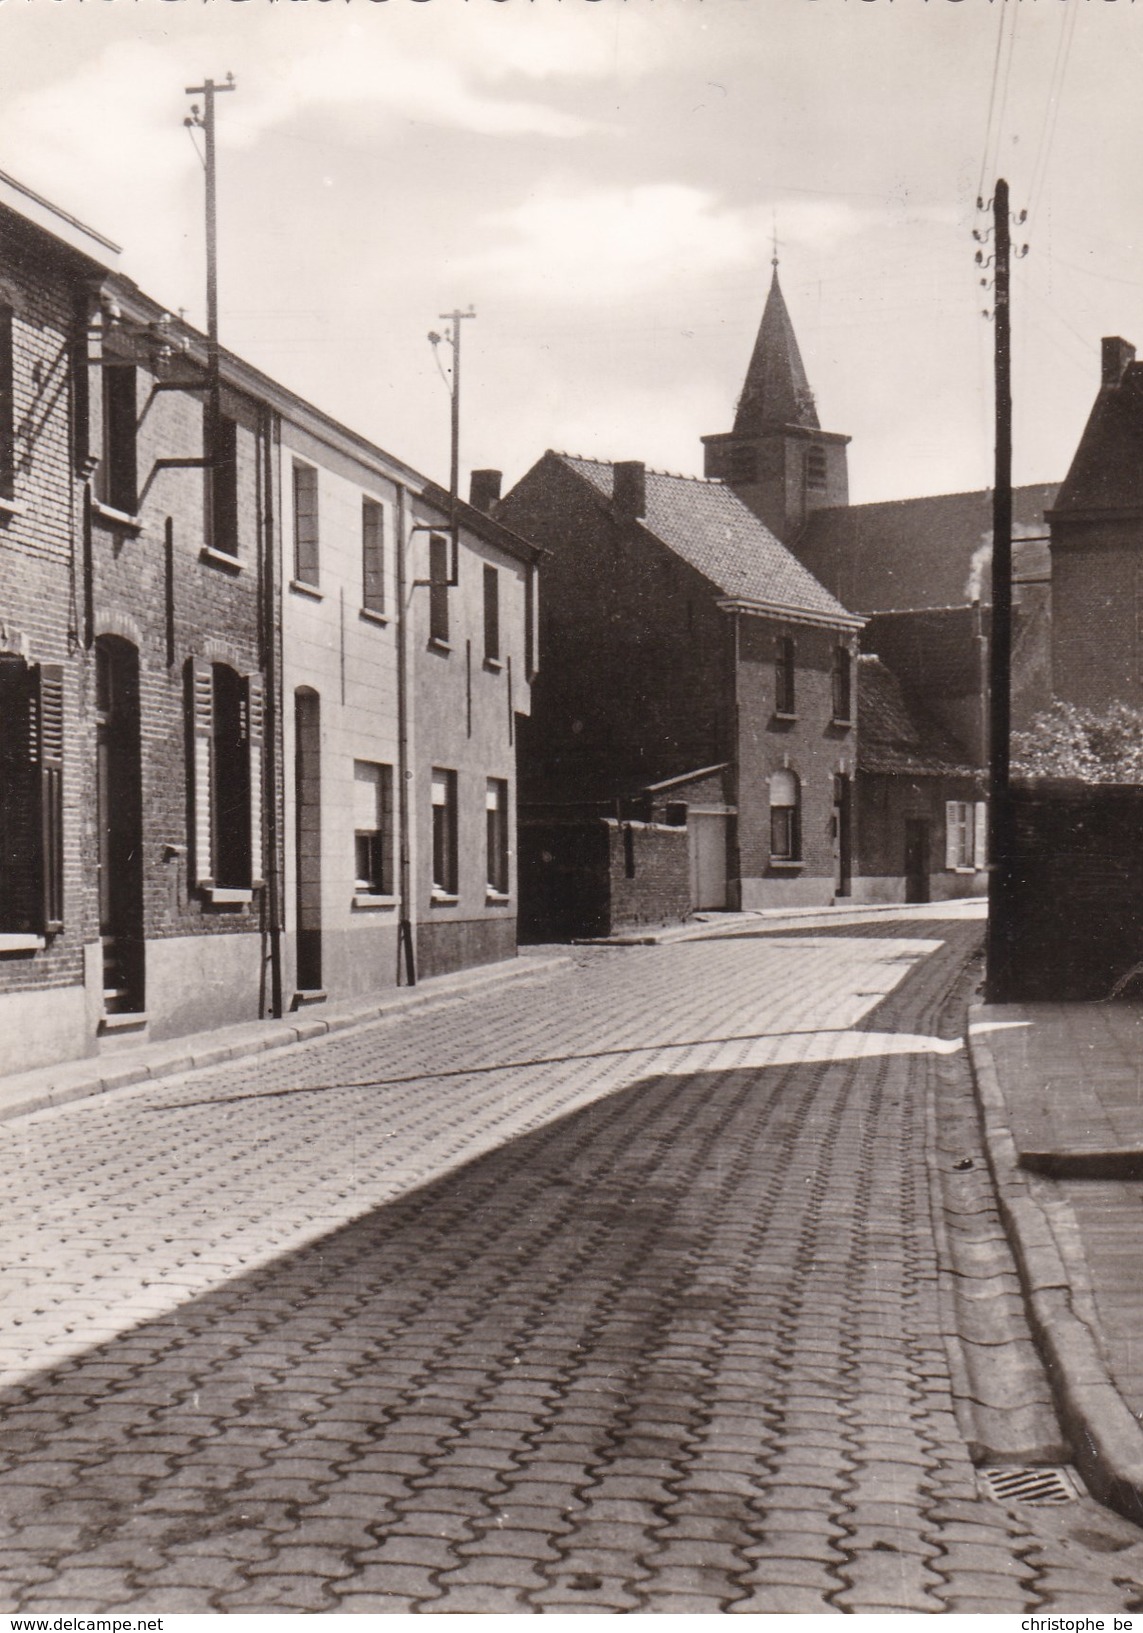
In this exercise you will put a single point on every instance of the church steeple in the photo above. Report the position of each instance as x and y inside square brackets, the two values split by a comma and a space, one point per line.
[776, 390]
[778, 459]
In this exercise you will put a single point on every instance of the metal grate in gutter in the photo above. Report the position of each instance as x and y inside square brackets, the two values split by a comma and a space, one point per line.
[1037, 1486]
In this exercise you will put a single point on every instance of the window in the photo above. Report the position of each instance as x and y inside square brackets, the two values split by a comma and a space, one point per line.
[438, 588]
[784, 690]
[305, 524]
[7, 405]
[226, 722]
[966, 835]
[816, 468]
[842, 684]
[372, 556]
[785, 817]
[496, 807]
[31, 797]
[444, 834]
[116, 479]
[491, 615]
[373, 828]
[222, 487]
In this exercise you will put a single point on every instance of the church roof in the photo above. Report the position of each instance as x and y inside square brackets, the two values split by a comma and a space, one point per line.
[913, 553]
[894, 737]
[708, 526]
[776, 390]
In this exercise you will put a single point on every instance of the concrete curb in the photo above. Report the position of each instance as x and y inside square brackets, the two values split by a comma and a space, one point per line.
[1105, 1437]
[765, 917]
[69, 1081]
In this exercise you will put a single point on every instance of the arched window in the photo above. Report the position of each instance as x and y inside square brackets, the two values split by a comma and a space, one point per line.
[785, 817]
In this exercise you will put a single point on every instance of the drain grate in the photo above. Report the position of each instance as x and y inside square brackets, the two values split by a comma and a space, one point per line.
[1039, 1486]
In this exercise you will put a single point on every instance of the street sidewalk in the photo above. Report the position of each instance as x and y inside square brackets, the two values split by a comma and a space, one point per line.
[1061, 1094]
[68, 1080]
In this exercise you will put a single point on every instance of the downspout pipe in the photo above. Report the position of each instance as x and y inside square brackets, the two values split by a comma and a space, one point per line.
[406, 950]
[272, 735]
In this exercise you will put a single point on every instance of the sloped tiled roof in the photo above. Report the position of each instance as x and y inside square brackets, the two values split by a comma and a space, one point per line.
[1107, 471]
[708, 526]
[911, 553]
[893, 737]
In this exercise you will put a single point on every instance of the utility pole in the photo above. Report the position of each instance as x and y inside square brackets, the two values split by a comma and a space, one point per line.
[453, 336]
[999, 937]
[204, 121]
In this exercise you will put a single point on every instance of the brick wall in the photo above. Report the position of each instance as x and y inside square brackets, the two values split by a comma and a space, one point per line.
[648, 874]
[589, 878]
[1077, 891]
[1097, 594]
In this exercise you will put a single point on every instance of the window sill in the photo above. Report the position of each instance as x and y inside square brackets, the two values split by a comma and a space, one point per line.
[964, 867]
[12, 507]
[842, 724]
[369, 899]
[437, 645]
[300, 587]
[220, 558]
[22, 944]
[115, 518]
[493, 665]
[443, 898]
[372, 617]
[496, 898]
[785, 717]
[784, 864]
[227, 895]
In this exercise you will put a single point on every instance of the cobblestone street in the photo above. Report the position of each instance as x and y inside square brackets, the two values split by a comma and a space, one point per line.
[613, 1289]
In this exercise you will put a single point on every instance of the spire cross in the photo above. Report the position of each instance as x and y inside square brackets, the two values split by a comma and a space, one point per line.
[774, 257]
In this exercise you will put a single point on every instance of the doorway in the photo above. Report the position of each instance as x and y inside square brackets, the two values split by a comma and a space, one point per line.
[916, 859]
[708, 834]
[843, 832]
[119, 822]
[307, 805]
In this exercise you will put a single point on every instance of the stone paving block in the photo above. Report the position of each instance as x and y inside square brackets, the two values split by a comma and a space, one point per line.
[781, 1599]
[284, 1592]
[883, 1580]
[494, 1570]
[471, 1599]
[432, 1553]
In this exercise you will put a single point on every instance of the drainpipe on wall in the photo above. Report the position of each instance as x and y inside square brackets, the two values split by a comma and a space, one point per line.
[735, 856]
[405, 942]
[271, 735]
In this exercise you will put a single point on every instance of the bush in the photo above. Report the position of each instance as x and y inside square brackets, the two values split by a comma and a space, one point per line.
[1066, 741]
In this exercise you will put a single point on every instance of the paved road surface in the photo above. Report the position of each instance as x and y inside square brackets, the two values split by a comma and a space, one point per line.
[612, 1292]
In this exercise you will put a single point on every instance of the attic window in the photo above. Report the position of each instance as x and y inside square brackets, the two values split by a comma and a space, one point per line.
[816, 468]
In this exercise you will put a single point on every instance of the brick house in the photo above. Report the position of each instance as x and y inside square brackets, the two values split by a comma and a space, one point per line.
[48, 911]
[918, 570]
[681, 643]
[227, 702]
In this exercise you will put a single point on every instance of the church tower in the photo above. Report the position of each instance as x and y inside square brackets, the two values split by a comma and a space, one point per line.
[778, 459]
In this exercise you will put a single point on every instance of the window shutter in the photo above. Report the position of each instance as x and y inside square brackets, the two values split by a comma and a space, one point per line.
[51, 733]
[7, 406]
[200, 711]
[19, 835]
[952, 833]
[255, 738]
[980, 838]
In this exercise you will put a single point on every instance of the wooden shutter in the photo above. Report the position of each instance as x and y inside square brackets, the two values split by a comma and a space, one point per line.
[952, 833]
[19, 827]
[7, 406]
[980, 837]
[200, 732]
[255, 751]
[51, 743]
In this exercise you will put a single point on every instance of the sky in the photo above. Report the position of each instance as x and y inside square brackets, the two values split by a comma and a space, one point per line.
[602, 181]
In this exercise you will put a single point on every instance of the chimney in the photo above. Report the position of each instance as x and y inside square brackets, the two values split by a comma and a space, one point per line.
[629, 493]
[1117, 356]
[484, 490]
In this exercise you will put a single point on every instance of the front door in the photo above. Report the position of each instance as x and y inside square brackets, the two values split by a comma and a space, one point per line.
[707, 831]
[916, 860]
[119, 823]
[843, 831]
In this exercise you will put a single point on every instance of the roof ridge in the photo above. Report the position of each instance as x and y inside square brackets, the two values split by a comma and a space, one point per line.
[651, 470]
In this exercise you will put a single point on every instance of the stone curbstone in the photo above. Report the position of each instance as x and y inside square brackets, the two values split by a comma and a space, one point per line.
[1106, 1438]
